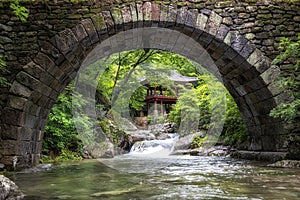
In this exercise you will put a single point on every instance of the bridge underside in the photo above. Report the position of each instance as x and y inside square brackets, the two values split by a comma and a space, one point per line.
[200, 36]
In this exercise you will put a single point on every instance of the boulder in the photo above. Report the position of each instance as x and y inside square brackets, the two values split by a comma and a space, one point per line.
[103, 149]
[293, 147]
[140, 135]
[286, 164]
[9, 190]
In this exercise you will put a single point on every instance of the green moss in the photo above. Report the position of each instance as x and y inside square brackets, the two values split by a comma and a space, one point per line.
[264, 16]
[198, 141]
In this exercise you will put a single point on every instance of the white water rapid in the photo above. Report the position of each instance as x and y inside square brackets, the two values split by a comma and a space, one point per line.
[154, 147]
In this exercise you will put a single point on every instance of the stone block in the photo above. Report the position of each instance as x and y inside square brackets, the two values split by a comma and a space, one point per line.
[20, 89]
[16, 102]
[155, 15]
[127, 18]
[241, 90]
[43, 88]
[270, 74]
[226, 69]
[251, 78]
[65, 41]
[163, 14]
[32, 108]
[191, 18]
[218, 53]
[99, 23]
[43, 100]
[29, 121]
[134, 15]
[255, 57]
[13, 117]
[35, 96]
[239, 43]
[263, 64]
[230, 37]
[35, 159]
[283, 98]
[117, 16]
[240, 61]
[81, 35]
[222, 61]
[172, 13]
[222, 32]
[25, 148]
[213, 23]
[9, 147]
[27, 80]
[47, 78]
[247, 50]
[181, 15]
[26, 134]
[51, 51]
[140, 14]
[264, 107]
[205, 39]
[9, 132]
[213, 45]
[230, 53]
[110, 25]
[34, 148]
[44, 61]
[201, 21]
[34, 70]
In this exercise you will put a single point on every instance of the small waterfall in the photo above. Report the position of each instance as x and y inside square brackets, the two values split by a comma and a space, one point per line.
[157, 147]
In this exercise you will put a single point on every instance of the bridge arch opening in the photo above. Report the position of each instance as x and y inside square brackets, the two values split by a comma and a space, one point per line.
[233, 59]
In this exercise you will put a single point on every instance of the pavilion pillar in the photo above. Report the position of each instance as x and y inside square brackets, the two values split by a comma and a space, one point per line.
[155, 108]
[161, 108]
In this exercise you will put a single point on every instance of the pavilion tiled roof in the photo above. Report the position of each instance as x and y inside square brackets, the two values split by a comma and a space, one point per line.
[174, 76]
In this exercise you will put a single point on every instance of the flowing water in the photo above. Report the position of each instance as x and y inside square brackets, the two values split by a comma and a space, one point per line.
[167, 177]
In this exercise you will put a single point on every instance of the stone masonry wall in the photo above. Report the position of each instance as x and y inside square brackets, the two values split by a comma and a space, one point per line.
[43, 56]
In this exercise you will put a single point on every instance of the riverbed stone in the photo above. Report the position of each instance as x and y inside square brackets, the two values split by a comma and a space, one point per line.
[9, 190]
[286, 164]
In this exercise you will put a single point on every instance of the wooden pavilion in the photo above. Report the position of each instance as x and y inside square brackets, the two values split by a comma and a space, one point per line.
[158, 99]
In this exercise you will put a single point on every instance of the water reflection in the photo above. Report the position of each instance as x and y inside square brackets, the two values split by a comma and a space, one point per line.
[172, 177]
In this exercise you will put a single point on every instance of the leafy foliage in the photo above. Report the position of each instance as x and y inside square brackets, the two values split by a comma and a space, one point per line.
[20, 11]
[198, 141]
[65, 155]
[289, 79]
[60, 132]
[234, 132]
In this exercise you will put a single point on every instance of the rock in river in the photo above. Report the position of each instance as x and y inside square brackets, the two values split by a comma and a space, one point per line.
[9, 190]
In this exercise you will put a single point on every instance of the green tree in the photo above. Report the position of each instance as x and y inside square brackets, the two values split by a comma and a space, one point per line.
[234, 132]
[60, 132]
[289, 79]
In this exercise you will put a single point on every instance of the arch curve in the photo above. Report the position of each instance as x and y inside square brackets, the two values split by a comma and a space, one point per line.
[235, 60]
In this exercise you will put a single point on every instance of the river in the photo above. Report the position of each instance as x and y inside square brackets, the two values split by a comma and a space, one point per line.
[154, 178]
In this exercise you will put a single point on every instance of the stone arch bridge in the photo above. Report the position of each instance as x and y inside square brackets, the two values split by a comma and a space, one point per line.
[44, 54]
